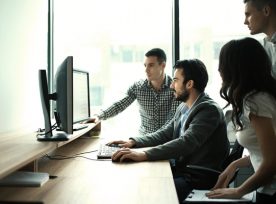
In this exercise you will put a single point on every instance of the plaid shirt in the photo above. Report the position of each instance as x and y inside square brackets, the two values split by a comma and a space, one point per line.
[156, 108]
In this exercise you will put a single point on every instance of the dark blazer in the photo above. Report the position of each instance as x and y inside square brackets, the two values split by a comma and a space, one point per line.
[203, 142]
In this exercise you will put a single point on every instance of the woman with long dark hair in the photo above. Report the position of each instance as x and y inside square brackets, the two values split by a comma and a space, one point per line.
[248, 86]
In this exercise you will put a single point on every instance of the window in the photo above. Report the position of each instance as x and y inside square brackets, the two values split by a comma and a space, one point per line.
[204, 28]
[109, 39]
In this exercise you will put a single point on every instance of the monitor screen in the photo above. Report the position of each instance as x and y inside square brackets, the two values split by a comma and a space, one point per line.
[63, 106]
[81, 99]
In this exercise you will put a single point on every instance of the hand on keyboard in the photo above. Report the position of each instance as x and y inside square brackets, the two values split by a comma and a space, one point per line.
[126, 155]
[121, 143]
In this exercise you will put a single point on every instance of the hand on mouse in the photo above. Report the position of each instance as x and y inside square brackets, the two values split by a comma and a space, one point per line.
[121, 143]
[126, 154]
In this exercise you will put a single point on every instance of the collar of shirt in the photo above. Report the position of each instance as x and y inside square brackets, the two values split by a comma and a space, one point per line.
[272, 39]
[166, 83]
[185, 108]
[199, 96]
[185, 111]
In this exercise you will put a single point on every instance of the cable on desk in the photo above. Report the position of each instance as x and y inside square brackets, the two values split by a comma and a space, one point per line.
[86, 152]
[40, 131]
[74, 155]
[63, 157]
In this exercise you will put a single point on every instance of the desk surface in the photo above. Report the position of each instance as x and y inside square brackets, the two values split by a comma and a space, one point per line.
[20, 148]
[81, 180]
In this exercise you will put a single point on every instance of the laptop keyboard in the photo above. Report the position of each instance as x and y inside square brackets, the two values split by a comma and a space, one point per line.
[105, 152]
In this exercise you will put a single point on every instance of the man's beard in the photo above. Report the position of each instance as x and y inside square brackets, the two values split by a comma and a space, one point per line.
[183, 97]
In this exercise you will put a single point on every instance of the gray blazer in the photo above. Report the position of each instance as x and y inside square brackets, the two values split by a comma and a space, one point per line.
[203, 142]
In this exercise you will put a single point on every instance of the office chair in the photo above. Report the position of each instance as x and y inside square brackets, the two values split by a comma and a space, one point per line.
[204, 178]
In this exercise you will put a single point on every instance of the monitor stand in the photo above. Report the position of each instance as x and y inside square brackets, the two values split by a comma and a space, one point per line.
[59, 136]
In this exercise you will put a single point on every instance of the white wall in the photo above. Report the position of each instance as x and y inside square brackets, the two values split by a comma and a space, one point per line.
[23, 50]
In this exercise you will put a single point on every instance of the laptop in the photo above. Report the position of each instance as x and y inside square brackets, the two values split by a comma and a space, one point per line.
[198, 196]
[25, 178]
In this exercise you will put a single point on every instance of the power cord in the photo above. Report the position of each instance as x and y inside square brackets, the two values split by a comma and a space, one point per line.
[42, 131]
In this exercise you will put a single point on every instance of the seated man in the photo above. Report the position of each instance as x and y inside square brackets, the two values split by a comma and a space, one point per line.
[196, 136]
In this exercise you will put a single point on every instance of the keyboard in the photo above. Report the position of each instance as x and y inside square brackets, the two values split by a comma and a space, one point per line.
[105, 152]
[78, 126]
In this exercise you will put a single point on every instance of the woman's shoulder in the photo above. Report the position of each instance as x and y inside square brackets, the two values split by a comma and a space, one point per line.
[260, 96]
[259, 103]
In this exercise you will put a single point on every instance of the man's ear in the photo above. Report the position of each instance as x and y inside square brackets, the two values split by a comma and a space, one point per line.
[190, 84]
[163, 65]
[267, 10]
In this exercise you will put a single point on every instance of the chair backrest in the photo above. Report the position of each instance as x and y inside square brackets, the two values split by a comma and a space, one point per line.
[236, 149]
[203, 178]
[236, 153]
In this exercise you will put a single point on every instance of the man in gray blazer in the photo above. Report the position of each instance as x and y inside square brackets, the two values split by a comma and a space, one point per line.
[196, 136]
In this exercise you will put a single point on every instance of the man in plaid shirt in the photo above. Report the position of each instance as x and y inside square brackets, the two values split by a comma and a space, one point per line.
[155, 98]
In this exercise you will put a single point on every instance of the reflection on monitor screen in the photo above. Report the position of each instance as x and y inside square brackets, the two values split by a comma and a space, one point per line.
[81, 100]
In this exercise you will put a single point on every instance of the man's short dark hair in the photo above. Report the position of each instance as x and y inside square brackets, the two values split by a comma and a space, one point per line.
[159, 53]
[259, 4]
[195, 70]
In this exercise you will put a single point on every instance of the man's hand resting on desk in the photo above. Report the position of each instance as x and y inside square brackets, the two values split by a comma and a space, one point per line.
[93, 119]
[126, 154]
[122, 143]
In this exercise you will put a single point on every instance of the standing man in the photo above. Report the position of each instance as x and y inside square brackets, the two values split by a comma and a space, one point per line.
[156, 100]
[260, 17]
[196, 136]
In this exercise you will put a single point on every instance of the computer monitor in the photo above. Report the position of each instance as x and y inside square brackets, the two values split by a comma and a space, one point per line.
[63, 97]
[81, 97]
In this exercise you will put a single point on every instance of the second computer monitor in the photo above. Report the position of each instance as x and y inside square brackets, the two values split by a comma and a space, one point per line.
[81, 97]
